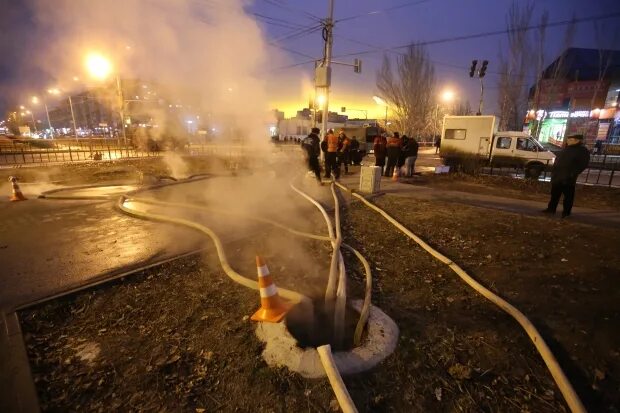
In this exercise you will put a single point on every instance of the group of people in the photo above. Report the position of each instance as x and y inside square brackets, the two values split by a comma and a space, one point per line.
[400, 152]
[336, 148]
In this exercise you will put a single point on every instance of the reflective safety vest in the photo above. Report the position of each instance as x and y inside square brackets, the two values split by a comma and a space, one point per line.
[394, 142]
[332, 143]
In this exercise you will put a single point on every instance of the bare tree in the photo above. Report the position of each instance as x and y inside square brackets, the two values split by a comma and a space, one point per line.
[463, 109]
[514, 67]
[409, 90]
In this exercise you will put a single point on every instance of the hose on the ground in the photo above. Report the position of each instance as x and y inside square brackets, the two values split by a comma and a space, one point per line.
[364, 313]
[571, 397]
[341, 292]
[342, 394]
[232, 274]
[359, 329]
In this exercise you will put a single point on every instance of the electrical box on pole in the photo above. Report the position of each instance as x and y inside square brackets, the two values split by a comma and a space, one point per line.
[323, 76]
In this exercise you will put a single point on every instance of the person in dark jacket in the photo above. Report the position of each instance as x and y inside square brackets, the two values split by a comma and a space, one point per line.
[569, 163]
[356, 159]
[437, 143]
[344, 153]
[379, 148]
[394, 145]
[403, 152]
[411, 154]
[312, 149]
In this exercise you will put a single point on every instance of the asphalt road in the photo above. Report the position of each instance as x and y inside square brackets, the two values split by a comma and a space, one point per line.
[48, 246]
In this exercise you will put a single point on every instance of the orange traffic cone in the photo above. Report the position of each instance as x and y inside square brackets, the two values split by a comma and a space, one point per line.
[395, 174]
[17, 193]
[272, 307]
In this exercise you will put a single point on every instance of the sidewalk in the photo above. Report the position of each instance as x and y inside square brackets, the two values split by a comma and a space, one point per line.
[596, 217]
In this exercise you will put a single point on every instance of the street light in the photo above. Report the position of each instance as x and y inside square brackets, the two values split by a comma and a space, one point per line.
[100, 68]
[35, 101]
[380, 101]
[56, 91]
[34, 123]
[447, 96]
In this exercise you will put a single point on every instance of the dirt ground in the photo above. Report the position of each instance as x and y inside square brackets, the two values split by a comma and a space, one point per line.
[177, 337]
[588, 196]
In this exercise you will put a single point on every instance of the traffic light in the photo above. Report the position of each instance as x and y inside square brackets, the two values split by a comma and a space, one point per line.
[357, 66]
[472, 71]
[483, 69]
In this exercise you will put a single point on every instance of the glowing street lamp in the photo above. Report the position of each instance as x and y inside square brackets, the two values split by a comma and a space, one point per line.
[380, 101]
[447, 96]
[100, 68]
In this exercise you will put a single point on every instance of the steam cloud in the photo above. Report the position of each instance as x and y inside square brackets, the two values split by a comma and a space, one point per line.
[208, 52]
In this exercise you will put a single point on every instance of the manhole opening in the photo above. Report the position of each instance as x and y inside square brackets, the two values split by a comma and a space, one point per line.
[316, 328]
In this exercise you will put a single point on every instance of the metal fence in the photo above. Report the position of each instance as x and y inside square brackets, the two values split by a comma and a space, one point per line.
[29, 152]
[603, 170]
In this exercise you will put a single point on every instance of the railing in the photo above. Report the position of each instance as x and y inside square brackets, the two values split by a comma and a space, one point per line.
[28, 152]
[603, 170]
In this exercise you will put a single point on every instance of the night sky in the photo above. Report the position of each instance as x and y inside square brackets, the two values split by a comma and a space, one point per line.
[359, 30]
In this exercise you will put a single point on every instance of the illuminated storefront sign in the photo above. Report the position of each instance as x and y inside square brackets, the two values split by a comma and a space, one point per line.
[563, 114]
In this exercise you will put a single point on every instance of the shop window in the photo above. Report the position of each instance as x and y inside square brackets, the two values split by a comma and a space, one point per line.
[503, 142]
[455, 134]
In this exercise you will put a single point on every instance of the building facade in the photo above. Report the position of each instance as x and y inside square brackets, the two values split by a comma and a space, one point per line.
[577, 93]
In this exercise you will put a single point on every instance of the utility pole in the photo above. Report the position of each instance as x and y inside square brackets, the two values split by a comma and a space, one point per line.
[481, 72]
[481, 97]
[47, 113]
[327, 57]
[73, 118]
[121, 107]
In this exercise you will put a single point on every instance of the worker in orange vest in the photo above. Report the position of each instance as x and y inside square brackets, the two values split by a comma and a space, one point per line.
[394, 146]
[331, 146]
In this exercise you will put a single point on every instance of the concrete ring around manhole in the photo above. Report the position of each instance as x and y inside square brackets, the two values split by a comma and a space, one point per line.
[281, 349]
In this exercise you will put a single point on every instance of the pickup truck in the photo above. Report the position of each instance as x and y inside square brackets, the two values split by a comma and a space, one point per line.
[470, 142]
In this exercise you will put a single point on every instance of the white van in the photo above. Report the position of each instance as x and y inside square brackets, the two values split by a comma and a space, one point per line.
[475, 139]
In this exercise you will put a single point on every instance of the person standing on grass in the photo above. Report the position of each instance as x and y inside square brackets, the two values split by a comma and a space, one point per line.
[312, 150]
[569, 163]
[394, 145]
[411, 154]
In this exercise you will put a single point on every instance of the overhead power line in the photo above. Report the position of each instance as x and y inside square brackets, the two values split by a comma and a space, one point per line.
[370, 13]
[490, 33]
[299, 33]
[278, 22]
[304, 13]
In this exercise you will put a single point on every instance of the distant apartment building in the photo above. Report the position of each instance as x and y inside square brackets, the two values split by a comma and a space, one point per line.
[578, 93]
[97, 109]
